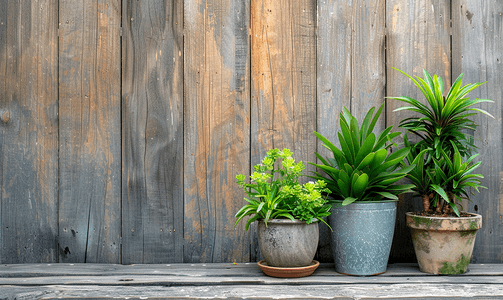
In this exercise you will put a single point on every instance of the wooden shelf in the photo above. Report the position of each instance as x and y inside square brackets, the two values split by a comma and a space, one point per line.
[239, 281]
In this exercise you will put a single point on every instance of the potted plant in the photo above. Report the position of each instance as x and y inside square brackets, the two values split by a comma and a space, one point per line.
[443, 237]
[287, 213]
[361, 176]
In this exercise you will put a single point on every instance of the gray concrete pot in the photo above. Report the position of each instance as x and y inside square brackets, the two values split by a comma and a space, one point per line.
[362, 236]
[285, 243]
[443, 245]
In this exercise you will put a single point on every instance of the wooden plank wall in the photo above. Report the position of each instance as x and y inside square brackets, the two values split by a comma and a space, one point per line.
[89, 131]
[29, 131]
[124, 123]
[477, 51]
[152, 130]
[217, 128]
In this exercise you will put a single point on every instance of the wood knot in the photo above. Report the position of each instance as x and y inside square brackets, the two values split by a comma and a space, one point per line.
[5, 116]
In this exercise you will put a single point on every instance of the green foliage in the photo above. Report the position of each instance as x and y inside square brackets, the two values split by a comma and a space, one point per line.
[443, 154]
[418, 175]
[274, 191]
[452, 178]
[362, 169]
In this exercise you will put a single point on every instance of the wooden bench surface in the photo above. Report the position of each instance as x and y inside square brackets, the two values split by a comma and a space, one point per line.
[239, 281]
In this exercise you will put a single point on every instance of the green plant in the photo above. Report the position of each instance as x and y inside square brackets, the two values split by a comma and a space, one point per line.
[274, 192]
[418, 175]
[363, 169]
[440, 172]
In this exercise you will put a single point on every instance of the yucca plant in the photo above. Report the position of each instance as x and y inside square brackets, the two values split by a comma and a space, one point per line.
[443, 143]
[364, 168]
[418, 175]
[452, 178]
[443, 118]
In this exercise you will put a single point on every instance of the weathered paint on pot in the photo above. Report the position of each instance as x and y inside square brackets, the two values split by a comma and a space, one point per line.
[286, 243]
[362, 236]
[443, 245]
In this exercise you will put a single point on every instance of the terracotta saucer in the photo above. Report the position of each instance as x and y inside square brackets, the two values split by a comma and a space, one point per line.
[293, 272]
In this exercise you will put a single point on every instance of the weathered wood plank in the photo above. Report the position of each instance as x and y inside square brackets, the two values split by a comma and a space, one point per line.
[259, 279]
[29, 128]
[152, 126]
[217, 126]
[212, 270]
[193, 281]
[351, 70]
[368, 77]
[334, 55]
[418, 37]
[89, 112]
[283, 79]
[4, 103]
[342, 292]
[478, 53]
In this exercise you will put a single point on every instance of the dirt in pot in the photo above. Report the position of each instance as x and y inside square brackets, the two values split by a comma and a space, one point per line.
[441, 215]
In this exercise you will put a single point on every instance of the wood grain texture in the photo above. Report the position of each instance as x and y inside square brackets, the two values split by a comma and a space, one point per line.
[351, 70]
[4, 104]
[478, 53]
[152, 127]
[283, 80]
[217, 128]
[418, 37]
[325, 272]
[29, 131]
[236, 292]
[89, 112]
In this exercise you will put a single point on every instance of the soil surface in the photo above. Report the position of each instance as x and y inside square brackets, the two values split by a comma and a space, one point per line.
[441, 215]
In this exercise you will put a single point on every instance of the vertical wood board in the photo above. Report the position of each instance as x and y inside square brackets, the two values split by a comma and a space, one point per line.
[89, 112]
[29, 126]
[478, 53]
[283, 81]
[152, 126]
[351, 71]
[368, 78]
[217, 125]
[4, 104]
[418, 37]
[283, 46]
[333, 83]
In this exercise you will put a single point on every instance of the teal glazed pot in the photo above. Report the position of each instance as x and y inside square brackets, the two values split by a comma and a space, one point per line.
[362, 236]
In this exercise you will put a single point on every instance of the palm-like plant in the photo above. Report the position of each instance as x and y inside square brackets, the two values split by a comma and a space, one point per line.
[418, 175]
[453, 178]
[444, 119]
[443, 144]
[363, 169]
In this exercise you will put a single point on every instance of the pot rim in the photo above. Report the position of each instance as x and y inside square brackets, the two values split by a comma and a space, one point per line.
[471, 223]
[366, 202]
[287, 221]
[472, 216]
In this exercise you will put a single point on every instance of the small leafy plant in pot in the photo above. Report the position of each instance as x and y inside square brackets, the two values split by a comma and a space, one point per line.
[287, 213]
[443, 236]
[361, 176]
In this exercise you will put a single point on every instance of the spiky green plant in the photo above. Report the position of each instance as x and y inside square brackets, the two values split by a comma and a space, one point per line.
[452, 178]
[363, 169]
[442, 119]
[444, 144]
[418, 175]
